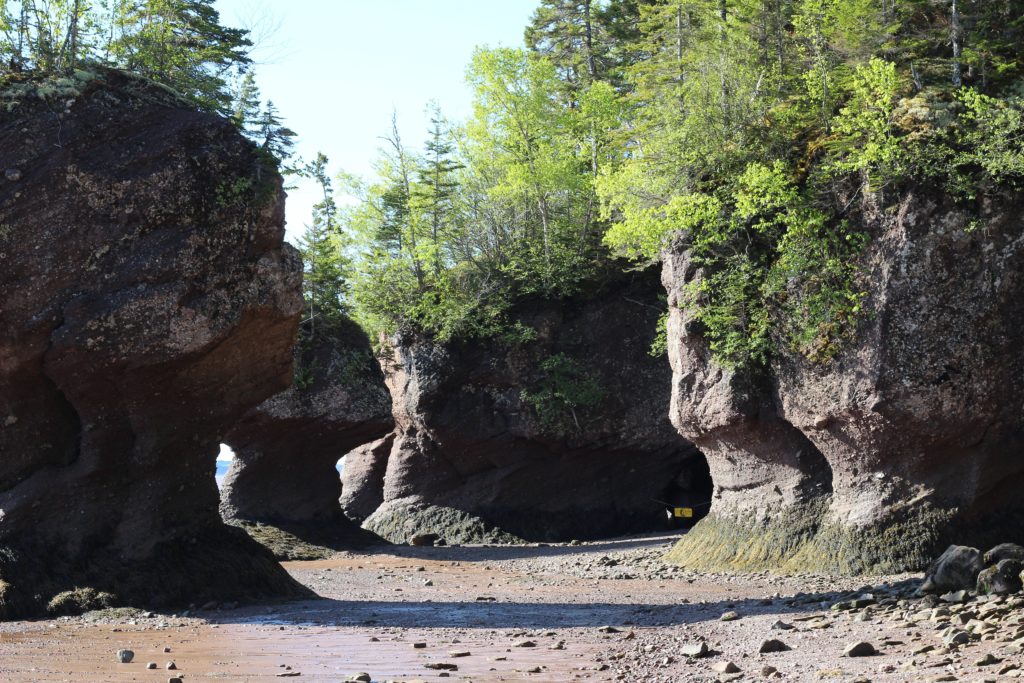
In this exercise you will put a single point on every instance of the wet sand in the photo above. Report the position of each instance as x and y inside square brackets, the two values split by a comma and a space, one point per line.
[506, 614]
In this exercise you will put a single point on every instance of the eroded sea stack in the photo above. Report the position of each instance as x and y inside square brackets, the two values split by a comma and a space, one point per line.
[149, 302]
[554, 431]
[286, 449]
[908, 440]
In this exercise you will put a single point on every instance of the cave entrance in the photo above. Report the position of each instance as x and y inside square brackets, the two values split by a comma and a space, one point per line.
[687, 498]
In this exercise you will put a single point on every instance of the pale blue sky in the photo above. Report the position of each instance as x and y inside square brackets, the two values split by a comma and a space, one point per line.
[336, 69]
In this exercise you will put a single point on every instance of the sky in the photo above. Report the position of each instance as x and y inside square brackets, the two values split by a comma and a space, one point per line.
[336, 69]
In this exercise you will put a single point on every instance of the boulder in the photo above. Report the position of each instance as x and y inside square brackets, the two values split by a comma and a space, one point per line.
[149, 303]
[1004, 551]
[400, 521]
[287, 448]
[1002, 579]
[956, 569]
[554, 430]
[876, 459]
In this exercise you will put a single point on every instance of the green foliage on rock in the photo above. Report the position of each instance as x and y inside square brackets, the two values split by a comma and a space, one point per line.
[181, 44]
[564, 394]
[749, 123]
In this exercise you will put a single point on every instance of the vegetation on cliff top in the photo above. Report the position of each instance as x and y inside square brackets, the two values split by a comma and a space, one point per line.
[180, 44]
[745, 130]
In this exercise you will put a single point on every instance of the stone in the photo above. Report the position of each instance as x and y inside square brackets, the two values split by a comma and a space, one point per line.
[428, 539]
[781, 626]
[1004, 551]
[694, 650]
[956, 569]
[151, 665]
[860, 649]
[957, 637]
[459, 653]
[767, 671]
[441, 666]
[361, 677]
[955, 597]
[125, 656]
[525, 643]
[729, 616]
[773, 645]
[12, 174]
[135, 342]
[1002, 579]
[419, 646]
[174, 679]
[725, 668]
[171, 666]
[988, 660]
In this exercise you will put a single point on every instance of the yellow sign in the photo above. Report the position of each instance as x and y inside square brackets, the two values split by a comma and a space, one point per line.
[683, 512]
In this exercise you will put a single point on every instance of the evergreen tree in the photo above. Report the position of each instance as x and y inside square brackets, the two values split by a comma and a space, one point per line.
[324, 284]
[434, 192]
[246, 110]
[275, 139]
[181, 43]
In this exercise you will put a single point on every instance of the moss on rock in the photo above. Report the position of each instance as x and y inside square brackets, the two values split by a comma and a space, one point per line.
[80, 600]
[802, 538]
[398, 522]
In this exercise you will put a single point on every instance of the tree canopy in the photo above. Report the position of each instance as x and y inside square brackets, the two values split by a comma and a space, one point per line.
[180, 43]
[741, 130]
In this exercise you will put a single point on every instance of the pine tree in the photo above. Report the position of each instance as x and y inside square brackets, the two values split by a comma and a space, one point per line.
[246, 110]
[325, 286]
[180, 43]
[434, 193]
[275, 139]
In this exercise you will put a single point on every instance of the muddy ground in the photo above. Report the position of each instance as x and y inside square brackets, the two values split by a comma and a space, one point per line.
[606, 611]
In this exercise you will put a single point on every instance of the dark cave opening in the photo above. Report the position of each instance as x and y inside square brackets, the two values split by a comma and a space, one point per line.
[687, 498]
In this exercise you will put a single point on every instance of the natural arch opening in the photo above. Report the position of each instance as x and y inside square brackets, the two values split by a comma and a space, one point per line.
[224, 459]
[687, 498]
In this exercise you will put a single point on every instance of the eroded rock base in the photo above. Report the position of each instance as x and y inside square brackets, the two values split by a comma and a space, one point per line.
[802, 538]
[309, 540]
[398, 522]
[209, 564]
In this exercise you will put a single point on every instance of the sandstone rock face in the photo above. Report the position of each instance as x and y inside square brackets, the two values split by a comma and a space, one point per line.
[362, 479]
[905, 441]
[149, 302]
[286, 449]
[484, 427]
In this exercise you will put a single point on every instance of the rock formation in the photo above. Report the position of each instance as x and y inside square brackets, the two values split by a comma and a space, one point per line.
[555, 431]
[908, 440]
[149, 302]
[286, 449]
[363, 476]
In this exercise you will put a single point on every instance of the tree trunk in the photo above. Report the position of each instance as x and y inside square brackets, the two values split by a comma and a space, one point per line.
[588, 36]
[956, 32]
